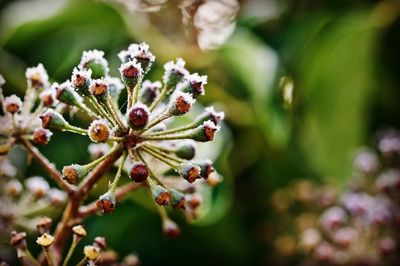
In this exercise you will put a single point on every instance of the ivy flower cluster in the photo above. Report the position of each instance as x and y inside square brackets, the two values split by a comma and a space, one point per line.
[143, 136]
[358, 226]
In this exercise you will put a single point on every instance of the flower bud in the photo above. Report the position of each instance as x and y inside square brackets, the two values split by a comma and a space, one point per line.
[214, 179]
[140, 53]
[189, 172]
[12, 104]
[180, 103]
[115, 87]
[138, 116]
[186, 151]
[174, 72]
[333, 218]
[74, 173]
[79, 231]
[66, 94]
[94, 60]
[100, 242]
[106, 202]
[149, 91]
[53, 120]
[47, 97]
[131, 260]
[91, 252]
[210, 114]
[13, 188]
[37, 77]
[194, 84]
[99, 89]
[131, 73]
[99, 131]
[160, 194]
[41, 136]
[177, 199]
[138, 172]
[205, 132]
[37, 185]
[45, 240]
[195, 200]
[81, 80]
[43, 225]
[18, 240]
[206, 167]
[170, 228]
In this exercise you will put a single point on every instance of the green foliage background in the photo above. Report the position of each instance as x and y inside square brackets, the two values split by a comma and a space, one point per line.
[343, 59]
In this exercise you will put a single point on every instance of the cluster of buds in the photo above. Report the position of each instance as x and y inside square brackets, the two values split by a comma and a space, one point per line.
[94, 254]
[357, 226]
[140, 134]
[21, 205]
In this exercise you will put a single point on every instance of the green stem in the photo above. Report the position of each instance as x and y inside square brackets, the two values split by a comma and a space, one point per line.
[31, 258]
[112, 111]
[151, 174]
[100, 109]
[82, 262]
[99, 160]
[70, 251]
[118, 175]
[161, 117]
[48, 256]
[164, 154]
[159, 157]
[168, 137]
[159, 98]
[175, 130]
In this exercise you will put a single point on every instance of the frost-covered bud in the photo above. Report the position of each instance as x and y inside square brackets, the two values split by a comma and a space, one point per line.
[57, 197]
[194, 200]
[47, 97]
[180, 103]
[37, 77]
[12, 104]
[210, 114]
[345, 237]
[149, 91]
[18, 240]
[160, 195]
[74, 173]
[138, 116]
[115, 87]
[140, 53]
[333, 218]
[52, 120]
[206, 167]
[193, 84]
[45, 240]
[99, 88]
[106, 202]
[43, 224]
[138, 172]
[177, 199]
[174, 72]
[41, 136]
[131, 73]
[186, 151]
[100, 242]
[357, 203]
[99, 131]
[66, 94]
[170, 228]
[214, 179]
[37, 185]
[79, 231]
[94, 60]
[205, 132]
[91, 252]
[189, 171]
[81, 80]
[13, 188]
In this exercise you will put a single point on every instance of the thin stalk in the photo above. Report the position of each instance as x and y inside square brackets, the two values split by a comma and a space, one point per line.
[161, 117]
[159, 98]
[114, 114]
[75, 129]
[168, 137]
[88, 111]
[151, 174]
[31, 258]
[159, 157]
[70, 251]
[164, 154]
[175, 130]
[82, 262]
[118, 175]
[100, 109]
[99, 160]
[48, 256]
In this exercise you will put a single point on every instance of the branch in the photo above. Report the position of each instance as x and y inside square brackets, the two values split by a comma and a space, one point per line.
[120, 193]
[49, 167]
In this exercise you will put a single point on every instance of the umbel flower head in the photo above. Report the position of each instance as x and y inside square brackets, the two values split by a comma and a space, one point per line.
[141, 131]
